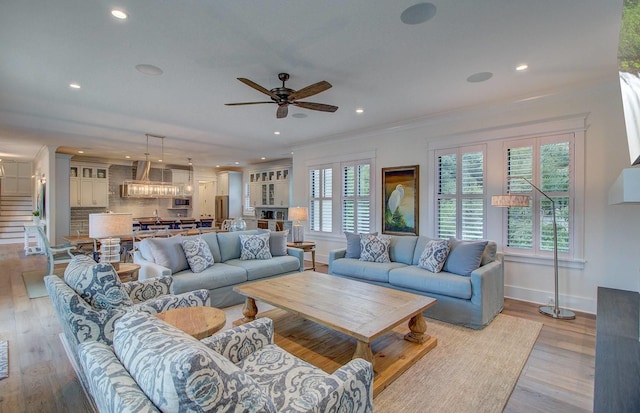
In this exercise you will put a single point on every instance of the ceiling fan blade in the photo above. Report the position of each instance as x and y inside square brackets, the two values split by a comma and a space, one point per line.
[246, 103]
[316, 106]
[282, 111]
[310, 90]
[258, 87]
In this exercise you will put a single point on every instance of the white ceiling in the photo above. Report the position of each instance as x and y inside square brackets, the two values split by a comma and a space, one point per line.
[395, 72]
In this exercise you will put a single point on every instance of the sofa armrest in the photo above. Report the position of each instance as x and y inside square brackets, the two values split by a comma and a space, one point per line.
[149, 269]
[487, 287]
[299, 254]
[110, 384]
[239, 342]
[197, 298]
[354, 383]
[334, 255]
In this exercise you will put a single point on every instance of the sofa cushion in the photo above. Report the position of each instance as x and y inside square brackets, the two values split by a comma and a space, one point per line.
[464, 256]
[363, 270]
[374, 248]
[489, 254]
[255, 247]
[353, 244]
[97, 284]
[167, 252]
[229, 243]
[211, 238]
[421, 244]
[217, 276]
[401, 248]
[178, 373]
[275, 369]
[198, 254]
[278, 243]
[257, 269]
[443, 283]
[434, 255]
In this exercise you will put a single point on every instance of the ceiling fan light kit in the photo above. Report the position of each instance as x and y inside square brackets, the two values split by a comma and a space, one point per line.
[283, 96]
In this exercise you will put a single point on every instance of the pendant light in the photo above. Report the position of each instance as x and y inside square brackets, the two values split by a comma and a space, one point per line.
[188, 189]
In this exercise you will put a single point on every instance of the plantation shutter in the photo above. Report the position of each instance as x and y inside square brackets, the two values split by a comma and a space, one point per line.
[320, 204]
[356, 198]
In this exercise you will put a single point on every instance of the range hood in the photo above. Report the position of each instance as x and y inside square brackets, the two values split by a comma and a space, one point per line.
[143, 187]
[626, 189]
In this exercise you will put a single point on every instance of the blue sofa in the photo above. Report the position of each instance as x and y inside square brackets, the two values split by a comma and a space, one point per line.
[471, 301]
[160, 257]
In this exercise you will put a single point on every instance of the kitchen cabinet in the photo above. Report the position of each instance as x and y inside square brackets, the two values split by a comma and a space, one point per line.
[269, 188]
[229, 182]
[89, 185]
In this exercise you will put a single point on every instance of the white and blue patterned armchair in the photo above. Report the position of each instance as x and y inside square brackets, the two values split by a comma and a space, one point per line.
[154, 367]
[89, 312]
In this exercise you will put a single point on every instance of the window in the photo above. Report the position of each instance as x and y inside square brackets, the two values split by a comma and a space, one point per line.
[461, 192]
[320, 204]
[356, 197]
[548, 164]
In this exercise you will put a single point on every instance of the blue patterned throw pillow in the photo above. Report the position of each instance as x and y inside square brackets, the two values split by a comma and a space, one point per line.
[198, 254]
[97, 284]
[374, 248]
[434, 255]
[255, 247]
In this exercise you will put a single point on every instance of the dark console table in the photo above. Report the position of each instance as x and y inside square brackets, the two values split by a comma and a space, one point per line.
[617, 375]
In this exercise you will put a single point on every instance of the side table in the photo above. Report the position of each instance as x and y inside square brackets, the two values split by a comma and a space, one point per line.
[128, 272]
[198, 322]
[307, 246]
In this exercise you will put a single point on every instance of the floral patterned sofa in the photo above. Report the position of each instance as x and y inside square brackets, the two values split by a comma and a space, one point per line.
[89, 310]
[154, 367]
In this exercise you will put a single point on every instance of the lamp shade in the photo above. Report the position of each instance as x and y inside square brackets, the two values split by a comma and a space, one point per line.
[298, 214]
[110, 225]
[508, 201]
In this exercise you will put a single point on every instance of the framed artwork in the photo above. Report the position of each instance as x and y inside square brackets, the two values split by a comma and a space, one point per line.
[400, 189]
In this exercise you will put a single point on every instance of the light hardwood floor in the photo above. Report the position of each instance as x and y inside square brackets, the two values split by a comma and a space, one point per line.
[558, 376]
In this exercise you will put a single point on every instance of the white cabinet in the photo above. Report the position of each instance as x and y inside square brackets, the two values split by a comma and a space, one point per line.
[230, 184]
[269, 188]
[88, 185]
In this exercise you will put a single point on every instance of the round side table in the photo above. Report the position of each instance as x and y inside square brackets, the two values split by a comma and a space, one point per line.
[198, 322]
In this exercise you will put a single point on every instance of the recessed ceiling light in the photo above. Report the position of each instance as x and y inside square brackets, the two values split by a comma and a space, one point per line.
[359, 110]
[149, 70]
[418, 13]
[479, 77]
[263, 158]
[127, 157]
[119, 14]
[159, 160]
[276, 133]
[522, 67]
[237, 163]
[217, 166]
[80, 151]
[74, 85]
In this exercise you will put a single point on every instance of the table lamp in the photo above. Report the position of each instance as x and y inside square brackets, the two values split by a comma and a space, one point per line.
[298, 214]
[511, 201]
[108, 228]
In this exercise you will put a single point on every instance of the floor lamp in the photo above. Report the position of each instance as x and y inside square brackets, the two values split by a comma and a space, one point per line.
[298, 214]
[511, 201]
[107, 227]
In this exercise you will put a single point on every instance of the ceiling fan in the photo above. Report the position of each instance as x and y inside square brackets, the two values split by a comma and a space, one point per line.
[283, 96]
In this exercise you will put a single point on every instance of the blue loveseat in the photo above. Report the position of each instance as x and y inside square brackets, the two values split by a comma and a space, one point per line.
[471, 300]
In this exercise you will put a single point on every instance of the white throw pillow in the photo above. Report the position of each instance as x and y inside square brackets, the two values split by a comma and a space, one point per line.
[255, 247]
[374, 248]
[434, 255]
[198, 254]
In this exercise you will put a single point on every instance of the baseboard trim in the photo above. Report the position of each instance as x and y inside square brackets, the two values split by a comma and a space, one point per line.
[582, 304]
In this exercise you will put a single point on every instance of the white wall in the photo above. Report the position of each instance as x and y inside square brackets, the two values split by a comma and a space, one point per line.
[610, 232]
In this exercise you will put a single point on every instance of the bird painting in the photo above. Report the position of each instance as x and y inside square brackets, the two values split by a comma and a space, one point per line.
[400, 186]
[395, 198]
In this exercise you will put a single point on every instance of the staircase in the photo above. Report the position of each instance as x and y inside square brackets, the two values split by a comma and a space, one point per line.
[15, 211]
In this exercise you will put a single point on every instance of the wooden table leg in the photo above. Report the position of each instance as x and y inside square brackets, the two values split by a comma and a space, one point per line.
[249, 310]
[418, 327]
[363, 351]
[313, 258]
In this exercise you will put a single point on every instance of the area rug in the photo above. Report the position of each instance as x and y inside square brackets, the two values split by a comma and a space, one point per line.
[468, 371]
[4, 360]
[34, 282]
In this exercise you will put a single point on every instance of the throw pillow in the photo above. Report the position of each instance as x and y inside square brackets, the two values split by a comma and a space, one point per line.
[168, 252]
[434, 255]
[97, 284]
[198, 254]
[464, 256]
[374, 248]
[180, 374]
[278, 243]
[353, 244]
[255, 247]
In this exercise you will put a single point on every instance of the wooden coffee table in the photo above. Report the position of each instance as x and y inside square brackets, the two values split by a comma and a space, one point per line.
[198, 322]
[365, 312]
